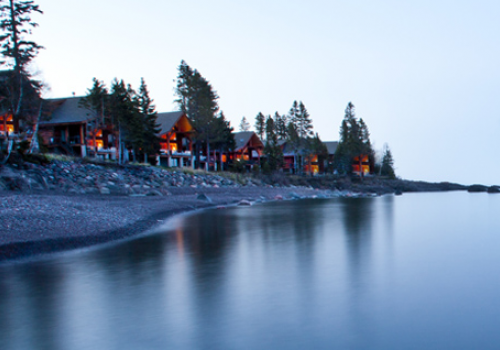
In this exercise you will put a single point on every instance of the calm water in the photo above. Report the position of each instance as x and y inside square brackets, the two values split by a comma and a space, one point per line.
[420, 271]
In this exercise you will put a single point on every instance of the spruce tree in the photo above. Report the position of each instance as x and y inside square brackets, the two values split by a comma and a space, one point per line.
[387, 167]
[244, 124]
[17, 52]
[260, 125]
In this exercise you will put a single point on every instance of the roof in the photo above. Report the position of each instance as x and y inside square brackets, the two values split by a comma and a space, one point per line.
[331, 146]
[67, 110]
[242, 138]
[168, 120]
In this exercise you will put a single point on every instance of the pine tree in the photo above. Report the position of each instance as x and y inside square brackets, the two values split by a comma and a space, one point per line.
[198, 100]
[304, 122]
[148, 117]
[126, 118]
[260, 125]
[18, 51]
[223, 137]
[244, 124]
[272, 151]
[294, 116]
[96, 102]
[354, 142]
[387, 168]
[280, 126]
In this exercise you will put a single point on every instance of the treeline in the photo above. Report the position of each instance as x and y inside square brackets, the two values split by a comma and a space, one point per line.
[295, 129]
[127, 113]
[354, 145]
[197, 98]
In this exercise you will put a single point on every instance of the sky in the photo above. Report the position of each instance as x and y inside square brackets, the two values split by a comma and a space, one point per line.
[424, 75]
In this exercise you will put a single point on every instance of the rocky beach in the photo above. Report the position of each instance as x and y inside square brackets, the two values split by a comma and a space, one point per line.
[64, 205]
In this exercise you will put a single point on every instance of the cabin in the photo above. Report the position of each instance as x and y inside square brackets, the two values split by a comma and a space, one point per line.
[362, 165]
[176, 143]
[249, 148]
[74, 130]
[331, 147]
[294, 154]
[6, 124]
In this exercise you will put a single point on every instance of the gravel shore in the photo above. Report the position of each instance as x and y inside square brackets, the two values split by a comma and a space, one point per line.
[32, 224]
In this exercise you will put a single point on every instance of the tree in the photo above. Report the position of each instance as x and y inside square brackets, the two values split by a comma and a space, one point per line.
[272, 151]
[354, 142]
[148, 114]
[260, 125]
[125, 118]
[18, 52]
[244, 124]
[387, 168]
[198, 100]
[304, 122]
[280, 123]
[223, 140]
[96, 102]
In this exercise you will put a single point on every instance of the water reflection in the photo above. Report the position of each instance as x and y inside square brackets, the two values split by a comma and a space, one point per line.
[316, 274]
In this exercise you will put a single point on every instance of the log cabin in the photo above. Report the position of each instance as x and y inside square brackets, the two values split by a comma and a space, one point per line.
[176, 144]
[74, 130]
[248, 148]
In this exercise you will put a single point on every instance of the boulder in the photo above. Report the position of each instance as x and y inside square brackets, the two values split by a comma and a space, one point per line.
[204, 197]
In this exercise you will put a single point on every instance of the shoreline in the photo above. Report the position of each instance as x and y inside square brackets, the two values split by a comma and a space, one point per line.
[33, 225]
[64, 205]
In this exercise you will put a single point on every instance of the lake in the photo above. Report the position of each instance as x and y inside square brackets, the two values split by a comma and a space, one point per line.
[418, 271]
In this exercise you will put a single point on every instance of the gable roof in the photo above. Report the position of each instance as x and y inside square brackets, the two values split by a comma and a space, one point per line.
[331, 146]
[66, 110]
[242, 138]
[168, 120]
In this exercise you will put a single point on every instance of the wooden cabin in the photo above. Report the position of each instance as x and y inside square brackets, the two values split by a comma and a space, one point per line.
[74, 130]
[176, 140]
[248, 148]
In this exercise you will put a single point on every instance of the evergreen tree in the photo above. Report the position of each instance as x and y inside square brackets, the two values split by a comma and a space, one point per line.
[223, 138]
[126, 118]
[294, 116]
[198, 100]
[18, 51]
[280, 126]
[354, 142]
[148, 117]
[304, 122]
[387, 168]
[244, 124]
[260, 125]
[272, 151]
[96, 102]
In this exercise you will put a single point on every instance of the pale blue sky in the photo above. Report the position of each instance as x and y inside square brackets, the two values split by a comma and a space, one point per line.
[423, 74]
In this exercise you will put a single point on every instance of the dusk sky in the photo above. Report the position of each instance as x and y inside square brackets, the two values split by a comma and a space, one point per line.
[424, 75]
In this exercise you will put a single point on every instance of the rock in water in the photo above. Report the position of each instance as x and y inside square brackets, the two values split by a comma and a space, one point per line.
[204, 197]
